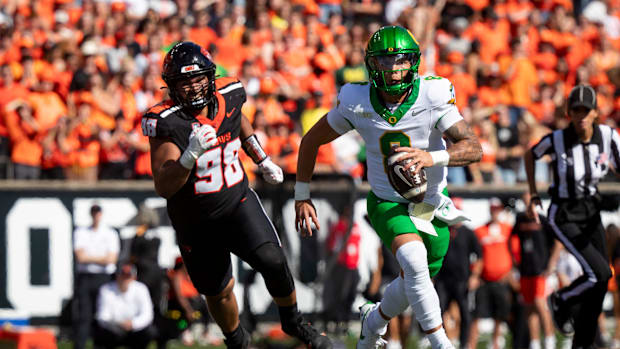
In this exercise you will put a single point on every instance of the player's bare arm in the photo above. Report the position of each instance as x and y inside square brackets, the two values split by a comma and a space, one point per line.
[272, 173]
[246, 127]
[305, 213]
[168, 174]
[466, 148]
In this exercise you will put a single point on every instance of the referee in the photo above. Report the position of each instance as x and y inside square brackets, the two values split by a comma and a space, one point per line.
[581, 154]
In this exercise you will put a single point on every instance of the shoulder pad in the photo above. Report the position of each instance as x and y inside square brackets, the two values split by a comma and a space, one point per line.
[162, 110]
[154, 121]
[439, 91]
[350, 93]
[231, 88]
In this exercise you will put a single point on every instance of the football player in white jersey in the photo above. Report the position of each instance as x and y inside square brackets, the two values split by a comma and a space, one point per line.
[398, 108]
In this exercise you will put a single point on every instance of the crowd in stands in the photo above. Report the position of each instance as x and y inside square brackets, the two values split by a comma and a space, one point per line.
[77, 75]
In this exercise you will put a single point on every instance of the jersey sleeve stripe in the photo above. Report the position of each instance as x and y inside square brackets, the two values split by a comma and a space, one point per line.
[167, 112]
[230, 87]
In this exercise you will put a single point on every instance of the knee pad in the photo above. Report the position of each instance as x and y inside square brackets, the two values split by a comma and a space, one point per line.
[269, 260]
[394, 298]
[418, 285]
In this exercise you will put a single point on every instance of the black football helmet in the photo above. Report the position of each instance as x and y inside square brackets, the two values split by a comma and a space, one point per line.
[183, 62]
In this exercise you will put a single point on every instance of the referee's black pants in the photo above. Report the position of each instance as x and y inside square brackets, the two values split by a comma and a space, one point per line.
[577, 224]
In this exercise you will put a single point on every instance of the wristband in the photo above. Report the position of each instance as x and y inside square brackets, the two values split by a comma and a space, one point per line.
[254, 150]
[534, 197]
[440, 157]
[302, 191]
[187, 160]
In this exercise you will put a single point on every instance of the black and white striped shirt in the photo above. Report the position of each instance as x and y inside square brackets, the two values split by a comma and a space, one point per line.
[578, 167]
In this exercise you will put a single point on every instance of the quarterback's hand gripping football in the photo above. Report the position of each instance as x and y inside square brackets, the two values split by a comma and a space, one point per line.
[200, 141]
[420, 158]
[272, 173]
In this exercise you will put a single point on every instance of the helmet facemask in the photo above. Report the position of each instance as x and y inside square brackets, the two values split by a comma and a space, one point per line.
[193, 92]
[381, 66]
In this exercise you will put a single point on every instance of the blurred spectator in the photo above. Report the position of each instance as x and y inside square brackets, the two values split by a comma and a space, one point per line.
[96, 251]
[124, 312]
[9, 92]
[339, 293]
[144, 254]
[354, 69]
[536, 246]
[25, 135]
[493, 297]
[509, 151]
[186, 308]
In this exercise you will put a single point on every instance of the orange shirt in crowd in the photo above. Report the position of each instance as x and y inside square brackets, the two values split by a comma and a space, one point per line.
[26, 146]
[202, 36]
[8, 94]
[496, 259]
[48, 107]
[492, 97]
[521, 80]
[464, 87]
[477, 5]
[84, 147]
[230, 54]
[98, 116]
[494, 40]
[142, 166]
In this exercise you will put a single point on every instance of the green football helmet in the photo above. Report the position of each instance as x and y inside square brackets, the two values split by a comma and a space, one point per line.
[389, 46]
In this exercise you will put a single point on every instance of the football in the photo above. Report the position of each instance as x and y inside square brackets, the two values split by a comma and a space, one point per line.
[409, 185]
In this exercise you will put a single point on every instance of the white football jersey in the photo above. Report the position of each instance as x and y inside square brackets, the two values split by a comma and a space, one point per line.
[419, 122]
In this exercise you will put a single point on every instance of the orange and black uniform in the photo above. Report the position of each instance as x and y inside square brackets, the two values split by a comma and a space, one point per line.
[215, 212]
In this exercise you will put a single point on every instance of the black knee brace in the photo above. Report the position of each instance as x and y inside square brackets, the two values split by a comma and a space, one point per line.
[269, 260]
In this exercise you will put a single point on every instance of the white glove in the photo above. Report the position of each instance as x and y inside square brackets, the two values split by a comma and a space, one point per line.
[272, 173]
[200, 141]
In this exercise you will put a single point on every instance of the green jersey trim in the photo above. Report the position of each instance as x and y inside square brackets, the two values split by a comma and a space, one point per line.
[394, 118]
[438, 120]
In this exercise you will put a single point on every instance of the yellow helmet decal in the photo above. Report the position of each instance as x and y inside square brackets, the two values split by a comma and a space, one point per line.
[413, 37]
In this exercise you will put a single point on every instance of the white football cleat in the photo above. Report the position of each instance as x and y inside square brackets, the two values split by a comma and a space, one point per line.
[369, 340]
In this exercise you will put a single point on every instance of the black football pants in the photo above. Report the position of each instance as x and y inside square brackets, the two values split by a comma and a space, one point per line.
[577, 224]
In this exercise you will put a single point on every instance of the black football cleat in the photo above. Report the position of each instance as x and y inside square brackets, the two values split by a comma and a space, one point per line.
[244, 344]
[302, 330]
[562, 319]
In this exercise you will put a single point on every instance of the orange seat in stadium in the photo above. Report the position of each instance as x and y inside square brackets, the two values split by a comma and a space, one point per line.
[27, 337]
